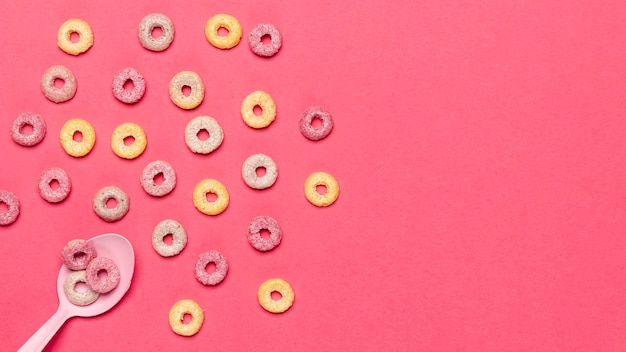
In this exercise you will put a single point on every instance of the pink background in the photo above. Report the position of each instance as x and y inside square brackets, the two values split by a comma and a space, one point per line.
[479, 146]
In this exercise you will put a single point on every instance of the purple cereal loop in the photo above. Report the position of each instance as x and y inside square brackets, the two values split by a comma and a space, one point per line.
[260, 48]
[128, 96]
[311, 132]
[151, 171]
[13, 204]
[264, 223]
[28, 119]
[112, 277]
[77, 254]
[54, 195]
[54, 94]
[111, 214]
[148, 24]
[221, 268]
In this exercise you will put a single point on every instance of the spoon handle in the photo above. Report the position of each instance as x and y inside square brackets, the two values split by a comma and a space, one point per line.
[40, 339]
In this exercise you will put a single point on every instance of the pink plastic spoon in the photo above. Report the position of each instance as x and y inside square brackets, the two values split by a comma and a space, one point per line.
[112, 246]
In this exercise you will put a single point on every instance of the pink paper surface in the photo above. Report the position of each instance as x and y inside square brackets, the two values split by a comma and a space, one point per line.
[479, 147]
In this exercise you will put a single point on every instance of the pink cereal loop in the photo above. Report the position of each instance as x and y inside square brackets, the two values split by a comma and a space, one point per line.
[260, 48]
[77, 254]
[47, 192]
[102, 285]
[129, 96]
[28, 119]
[221, 268]
[13, 207]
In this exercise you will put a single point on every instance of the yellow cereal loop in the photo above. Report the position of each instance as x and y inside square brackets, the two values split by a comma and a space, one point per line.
[82, 145]
[80, 27]
[227, 22]
[265, 295]
[268, 108]
[321, 179]
[201, 202]
[135, 148]
[177, 315]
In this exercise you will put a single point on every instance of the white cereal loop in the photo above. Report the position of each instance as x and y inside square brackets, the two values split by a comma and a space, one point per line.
[151, 22]
[179, 238]
[75, 297]
[203, 123]
[249, 171]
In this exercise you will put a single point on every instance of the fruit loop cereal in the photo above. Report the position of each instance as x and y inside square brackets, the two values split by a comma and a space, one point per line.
[97, 282]
[265, 295]
[149, 174]
[191, 80]
[13, 208]
[58, 194]
[118, 140]
[79, 298]
[228, 22]
[321, 179]
[211, 126]
[249, 171]
[33, 120]
[85, 36]
[179, 238]
[200, 192]
[256, 44]
[264, 223]
[268, 108]
[77, 148]
[306, 123]
[221, 268]
[77, 254]
[115, 213]
[64, 93]
[147, 26]
[128, 96]
[177, 315]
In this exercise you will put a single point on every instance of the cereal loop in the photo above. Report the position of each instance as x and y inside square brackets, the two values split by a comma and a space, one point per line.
[122, 203]
[49, 89]
[221, 268]
[128, 96]
[179, 238]
[80, 147]
[264, 223]
[58, 194]
[33, 120]
[151, 171]
[148, 24]
[82, 298]
[211, 126]
[98, 283]
[249, 171]
[268, 108]
[13, 208]
[306, 123]
[321, 179]
[80, 27]
[260, 48]
[201, 202]
[77, 254]
[177, 315]
[186, 79]
[135, 133]
[265, 295]
[227, 22]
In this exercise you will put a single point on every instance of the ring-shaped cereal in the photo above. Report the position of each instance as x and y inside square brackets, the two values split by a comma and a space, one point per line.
[148, 24]
[201, 202]
[264, 223]
[77, 254]
[28, 119]
[177, 314]
[227, 22]
[265, 295]
[80, 27]
[221, 268]
[151, 171]
[186, 79]
[122, 203]
[13, 208]
[128, 96]
[58, 194]
[99, 283]
[306, 123]
[256, 44]
[267, 105]
[124, 131]
[73, 147]
[249, 171]
[64, 93]
[321, 179]
[203, 123]
[76, 297]
[179, 238]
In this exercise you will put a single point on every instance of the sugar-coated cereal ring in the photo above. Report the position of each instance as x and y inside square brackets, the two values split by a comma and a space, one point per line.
[265, 295]
[58, 194]
[249, 169]
[64, 93]
[75, 297]
[321, 179]
[186, 79]
[221, 268]
[128, 96]
[75, 148]
[78, 253]
[28, 119]
[306, 123]
[97, 282]
[80, 27]
[200, 197]
[260, 48]
[124, 131]
[227, 22]
[122, 203]
[267, 105]
[148, 24]
[179, 238]
[203, 123]
[13, 207]
[177, 314]
[264, 223]
[151, 171]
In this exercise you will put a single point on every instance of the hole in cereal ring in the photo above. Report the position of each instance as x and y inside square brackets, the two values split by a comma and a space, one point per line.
[266, 39]
[129, 140]
[265, 233]
[158, 179]
[81, 287]
[186, 90]
[210, 267]
[260, 171]
[316, 123]
[168, 239]
[276, 295]
[77, 136]
[187, 318]
[58, 83]
[74, 37]
[27, 129]
[79, 255]
[103, 274]
[321, 189]
[211, 197]
[203, 135]
[129, 85]
[3, 207]
[222, 31]
[111, 203]
[156, 32]
[257, 110]
[53, 184]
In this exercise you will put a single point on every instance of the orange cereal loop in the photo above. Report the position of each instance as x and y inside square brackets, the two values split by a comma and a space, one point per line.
[321, 179]
[268, 109]
[201, 202]
[265, 295]
[77, 147]
[177, 315]
[134, 149]
[80, 27]
[228, 22]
